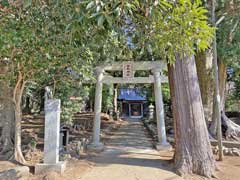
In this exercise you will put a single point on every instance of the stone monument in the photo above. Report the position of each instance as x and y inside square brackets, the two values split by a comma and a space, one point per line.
[51, 138]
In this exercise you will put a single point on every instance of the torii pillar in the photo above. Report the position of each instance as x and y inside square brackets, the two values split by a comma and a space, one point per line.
[96, 145]
[161, 130]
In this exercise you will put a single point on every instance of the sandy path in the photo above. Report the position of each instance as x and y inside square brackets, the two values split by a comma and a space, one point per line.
[129, 156]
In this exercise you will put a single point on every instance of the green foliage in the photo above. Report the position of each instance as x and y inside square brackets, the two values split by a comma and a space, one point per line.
[228, 40]
[236, 92]
[72, 33]
[65, 90]
[69, 108]
[232, 104]
[181, 28]
[42, 39]
[107, 101]
[161, 28]
[166, 93]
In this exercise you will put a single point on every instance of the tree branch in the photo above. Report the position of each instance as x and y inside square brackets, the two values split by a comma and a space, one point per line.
[231, 34]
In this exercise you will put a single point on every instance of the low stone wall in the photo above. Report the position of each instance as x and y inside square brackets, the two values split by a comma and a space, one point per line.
[151, 127]
[230, 148]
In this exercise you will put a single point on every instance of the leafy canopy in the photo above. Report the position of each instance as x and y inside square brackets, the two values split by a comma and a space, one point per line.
[161, 28]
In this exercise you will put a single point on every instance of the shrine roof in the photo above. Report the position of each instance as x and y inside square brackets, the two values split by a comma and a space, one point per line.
[132, 94]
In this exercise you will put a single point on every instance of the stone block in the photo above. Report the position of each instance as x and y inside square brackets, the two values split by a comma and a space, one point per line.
[163, 147]
[43, 168]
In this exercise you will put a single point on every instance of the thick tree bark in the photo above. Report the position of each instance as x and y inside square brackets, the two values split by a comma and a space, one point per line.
[193, 152]
[7, 120]
[6, 114]
[204, 62]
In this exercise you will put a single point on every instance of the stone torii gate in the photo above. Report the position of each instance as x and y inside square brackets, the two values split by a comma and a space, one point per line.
[129, 68]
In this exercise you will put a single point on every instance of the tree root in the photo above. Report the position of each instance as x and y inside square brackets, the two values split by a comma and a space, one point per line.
[231, 130]
[18, 156]
[189, 166]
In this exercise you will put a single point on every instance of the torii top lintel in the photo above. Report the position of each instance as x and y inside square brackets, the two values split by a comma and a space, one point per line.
[137, 65]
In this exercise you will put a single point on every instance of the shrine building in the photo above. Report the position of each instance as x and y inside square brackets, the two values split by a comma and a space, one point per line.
[132, 102]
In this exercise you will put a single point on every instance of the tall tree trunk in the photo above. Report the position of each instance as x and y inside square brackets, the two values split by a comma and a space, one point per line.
[213, 125]
[216, 107]
[204, 62]
[193, 152]
[18, 91]
[7, 119]
[231, 130]
[222, 74]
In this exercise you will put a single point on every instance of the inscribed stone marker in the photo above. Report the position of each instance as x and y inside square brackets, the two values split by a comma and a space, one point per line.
[51, 139]
[52, 129]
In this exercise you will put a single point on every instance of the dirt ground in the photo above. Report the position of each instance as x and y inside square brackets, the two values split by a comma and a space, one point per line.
[77, 169]
[129, 155]
[229, 168]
